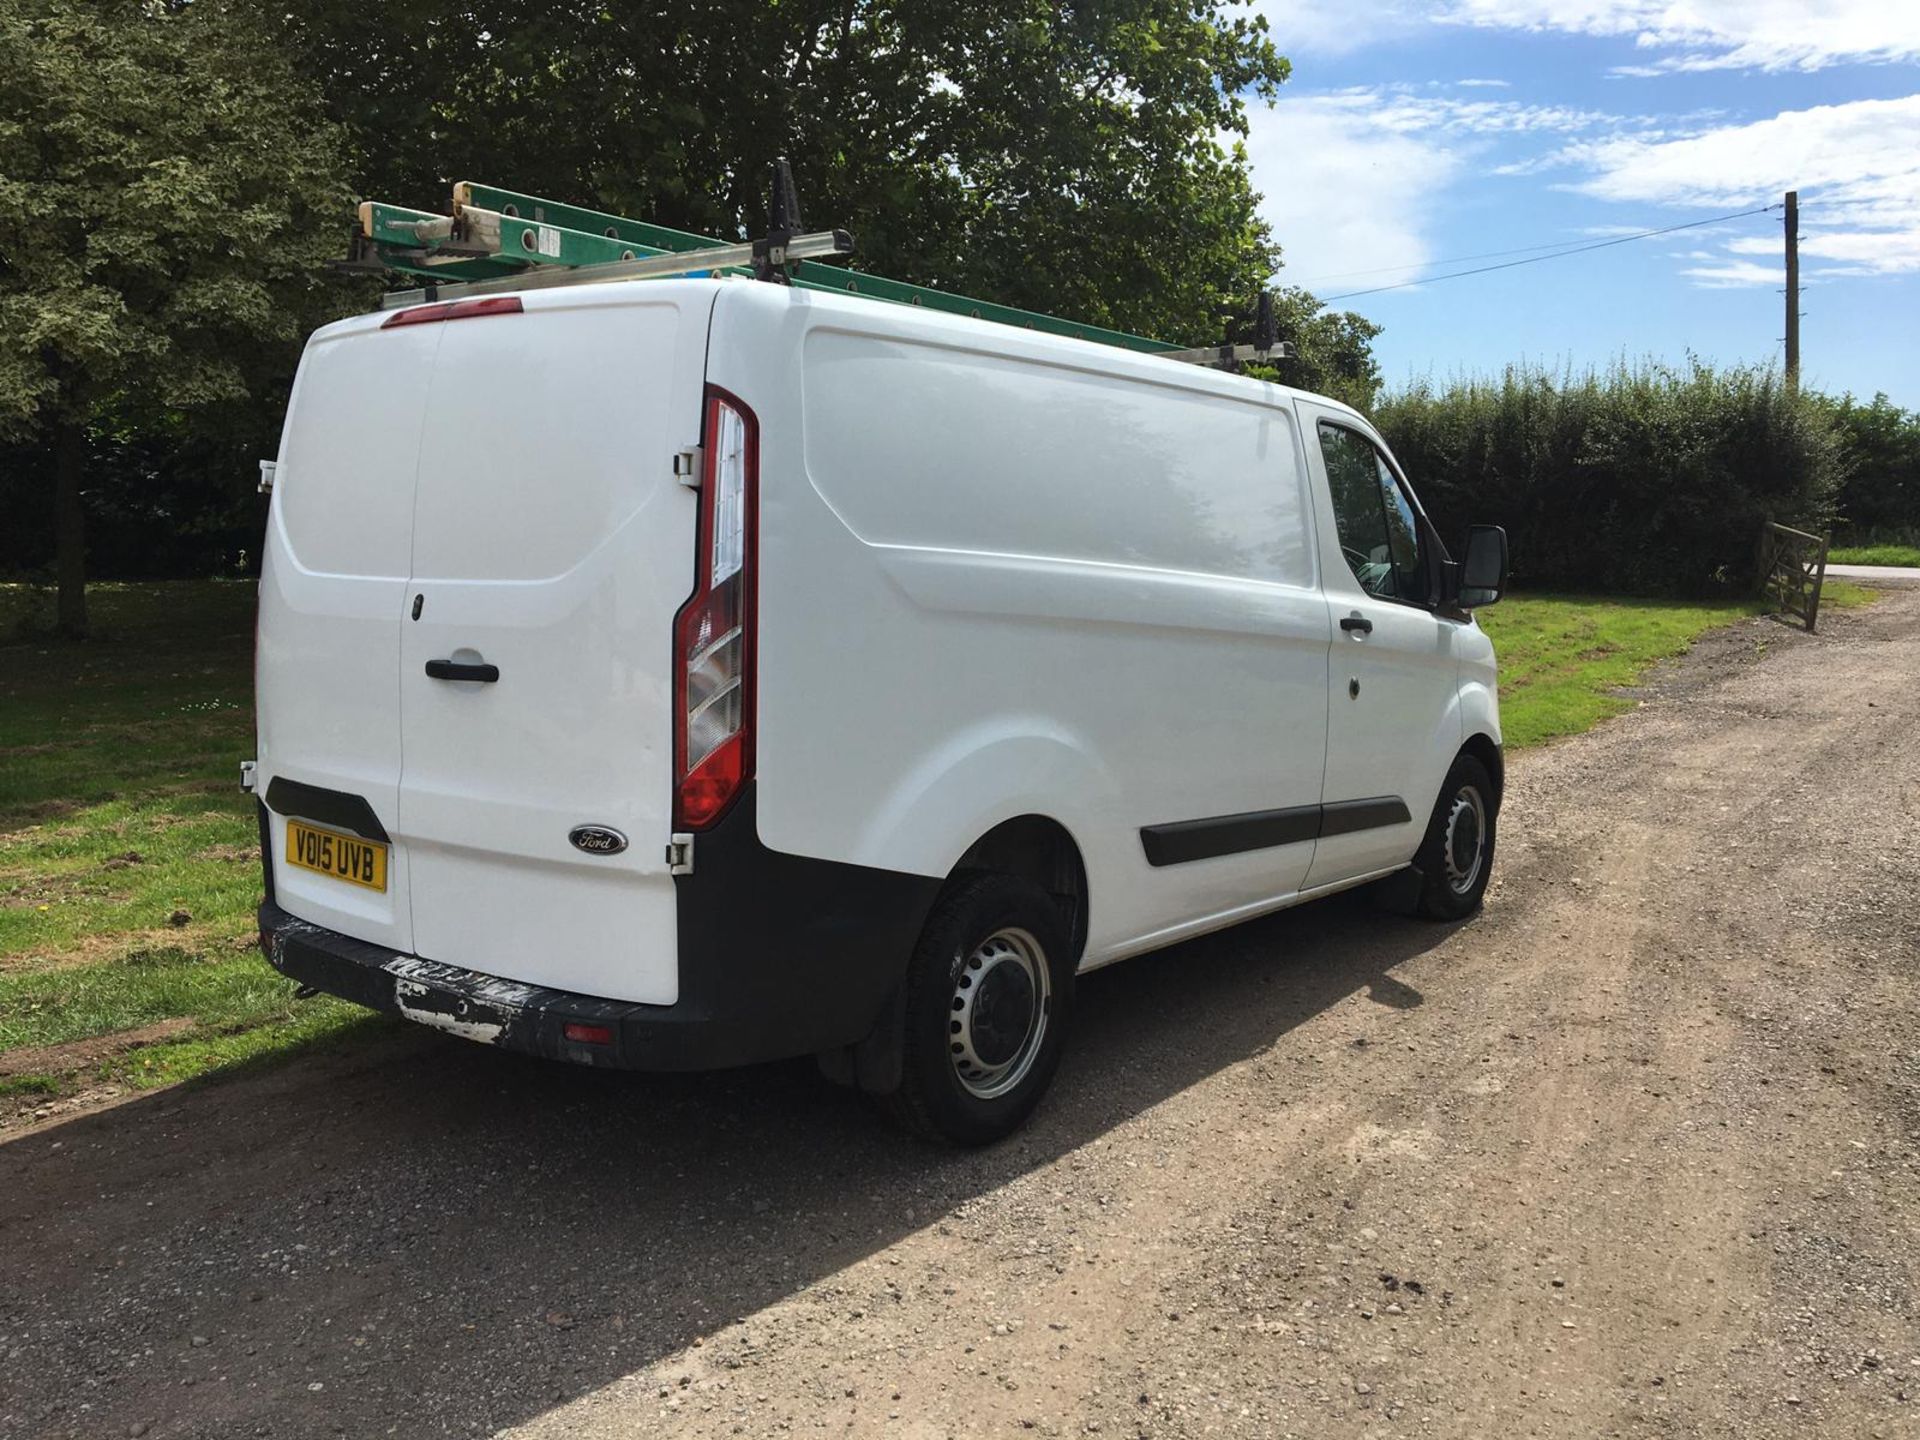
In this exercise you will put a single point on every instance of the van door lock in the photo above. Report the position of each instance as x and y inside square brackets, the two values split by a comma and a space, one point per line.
[680, 854]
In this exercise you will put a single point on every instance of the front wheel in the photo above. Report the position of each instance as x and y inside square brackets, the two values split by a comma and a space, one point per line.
[1455, 860]
[989, 992]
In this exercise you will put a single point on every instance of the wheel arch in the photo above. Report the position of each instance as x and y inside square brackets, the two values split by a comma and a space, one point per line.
[1487, 751]
[1041, 849]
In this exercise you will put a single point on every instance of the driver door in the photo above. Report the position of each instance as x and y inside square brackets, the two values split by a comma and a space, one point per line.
[1393, 722]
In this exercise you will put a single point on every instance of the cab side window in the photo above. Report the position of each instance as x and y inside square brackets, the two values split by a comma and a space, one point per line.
[1378, 534]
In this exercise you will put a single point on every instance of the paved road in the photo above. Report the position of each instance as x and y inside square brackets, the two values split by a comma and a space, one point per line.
[1635, 1153]
[1899, 575]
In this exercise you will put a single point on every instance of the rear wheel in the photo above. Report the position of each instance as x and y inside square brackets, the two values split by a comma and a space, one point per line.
[1455, 859]
[989, 990]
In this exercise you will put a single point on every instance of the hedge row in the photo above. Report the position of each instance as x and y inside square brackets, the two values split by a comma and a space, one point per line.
[1880, 496]
[1642, 479]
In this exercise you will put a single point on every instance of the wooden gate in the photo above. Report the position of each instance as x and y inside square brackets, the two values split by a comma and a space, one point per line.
[1793, 566]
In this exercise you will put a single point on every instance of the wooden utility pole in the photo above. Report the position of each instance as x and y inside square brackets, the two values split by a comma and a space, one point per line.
[1793, 287]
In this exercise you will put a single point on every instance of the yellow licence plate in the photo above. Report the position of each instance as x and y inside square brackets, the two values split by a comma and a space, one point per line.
[344, 857]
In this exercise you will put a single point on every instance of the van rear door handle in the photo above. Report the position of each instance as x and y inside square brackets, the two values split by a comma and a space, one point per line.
[1356, 622]
[454, 670]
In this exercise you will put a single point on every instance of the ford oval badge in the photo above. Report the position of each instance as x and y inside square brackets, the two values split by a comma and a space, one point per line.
[597, 839]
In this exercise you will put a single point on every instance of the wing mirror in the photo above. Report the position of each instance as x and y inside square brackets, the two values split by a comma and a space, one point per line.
[1483, 573]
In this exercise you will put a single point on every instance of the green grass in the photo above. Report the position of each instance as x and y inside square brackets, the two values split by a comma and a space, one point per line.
[128, 864]
[129, 867]
[1874, 555]
[1563, 657]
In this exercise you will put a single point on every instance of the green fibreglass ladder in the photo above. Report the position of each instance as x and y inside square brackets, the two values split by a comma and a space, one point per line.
[496, 234]
[498, 240]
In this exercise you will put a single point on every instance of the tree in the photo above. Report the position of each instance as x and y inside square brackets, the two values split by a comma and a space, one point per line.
[168, 189]
[1061, 157]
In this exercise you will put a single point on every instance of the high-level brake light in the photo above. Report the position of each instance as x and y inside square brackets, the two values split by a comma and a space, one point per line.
[454, 310]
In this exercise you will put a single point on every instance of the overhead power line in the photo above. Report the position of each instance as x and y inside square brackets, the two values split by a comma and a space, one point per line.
[1556, 255]
[1432, 264]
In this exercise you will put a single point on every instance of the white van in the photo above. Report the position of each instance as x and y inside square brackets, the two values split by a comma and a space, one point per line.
[691, 672]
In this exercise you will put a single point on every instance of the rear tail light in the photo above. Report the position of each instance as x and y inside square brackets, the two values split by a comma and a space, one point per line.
[714, 631]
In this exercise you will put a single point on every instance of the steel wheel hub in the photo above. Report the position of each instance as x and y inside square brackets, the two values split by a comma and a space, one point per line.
[1000, 1003]
[1466, 839]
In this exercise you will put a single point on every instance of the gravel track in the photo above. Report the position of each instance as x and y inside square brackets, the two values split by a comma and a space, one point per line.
[1636, 1152]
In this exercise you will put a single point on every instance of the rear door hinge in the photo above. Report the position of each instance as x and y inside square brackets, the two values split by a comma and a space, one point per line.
[686, 467]
[246, 775]
[268, 469]
[680, 854]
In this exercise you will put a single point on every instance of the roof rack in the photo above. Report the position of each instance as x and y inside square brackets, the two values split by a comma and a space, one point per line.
[498, 239]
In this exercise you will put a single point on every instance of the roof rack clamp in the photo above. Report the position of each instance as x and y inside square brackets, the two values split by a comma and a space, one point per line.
[783, 223]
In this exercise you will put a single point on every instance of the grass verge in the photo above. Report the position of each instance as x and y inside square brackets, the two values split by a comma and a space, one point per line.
[129, 867]
[1564, 658]
[1874, 555]
[128, 864]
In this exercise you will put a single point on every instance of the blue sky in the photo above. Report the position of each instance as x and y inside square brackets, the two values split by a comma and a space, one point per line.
[1411, 134]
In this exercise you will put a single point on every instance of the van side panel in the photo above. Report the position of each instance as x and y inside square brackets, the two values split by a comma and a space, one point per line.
[998, 581]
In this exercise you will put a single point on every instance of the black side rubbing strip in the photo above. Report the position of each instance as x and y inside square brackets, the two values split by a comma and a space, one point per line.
[325, 807]
[1343, 817]
[1185, 840]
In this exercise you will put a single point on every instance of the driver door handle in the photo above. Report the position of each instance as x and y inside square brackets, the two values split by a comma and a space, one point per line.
[1356, 621]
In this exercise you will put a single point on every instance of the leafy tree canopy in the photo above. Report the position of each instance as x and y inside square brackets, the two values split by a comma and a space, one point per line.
[173, 174]
[1076, 158]
[168, 189]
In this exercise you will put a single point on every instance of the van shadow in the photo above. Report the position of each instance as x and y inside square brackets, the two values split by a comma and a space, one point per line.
[422, 1233]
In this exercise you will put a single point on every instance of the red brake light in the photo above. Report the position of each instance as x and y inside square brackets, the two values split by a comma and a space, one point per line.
[713, 659]
[453, 310]
[584, 1034]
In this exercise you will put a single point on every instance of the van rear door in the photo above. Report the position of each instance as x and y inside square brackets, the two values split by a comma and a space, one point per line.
[333, 586]
[552, 545]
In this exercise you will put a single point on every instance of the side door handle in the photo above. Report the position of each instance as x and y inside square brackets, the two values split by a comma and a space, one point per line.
[1356, 621]
[455, 670]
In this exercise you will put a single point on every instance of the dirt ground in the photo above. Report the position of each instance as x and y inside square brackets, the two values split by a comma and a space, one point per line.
[1636, 1152]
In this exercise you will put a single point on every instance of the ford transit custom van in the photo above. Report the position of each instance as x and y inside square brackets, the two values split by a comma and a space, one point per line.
[691, 672]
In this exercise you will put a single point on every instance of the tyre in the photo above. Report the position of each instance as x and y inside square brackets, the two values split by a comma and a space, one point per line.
[989, 993]
[1455, 860]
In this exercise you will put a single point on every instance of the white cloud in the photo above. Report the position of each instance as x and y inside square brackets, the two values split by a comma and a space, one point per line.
[1331, 27]
[1345, 189]
[1856, 165]
[1735, 275]
[1351, 177]
[1857, 168]
[1403, 109]
[1862, 252]
[1869, 149]
[1719, 34]
[1484, 84]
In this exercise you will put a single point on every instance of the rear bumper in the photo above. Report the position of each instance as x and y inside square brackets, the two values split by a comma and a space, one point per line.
[779, 955]
[529, 1018]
